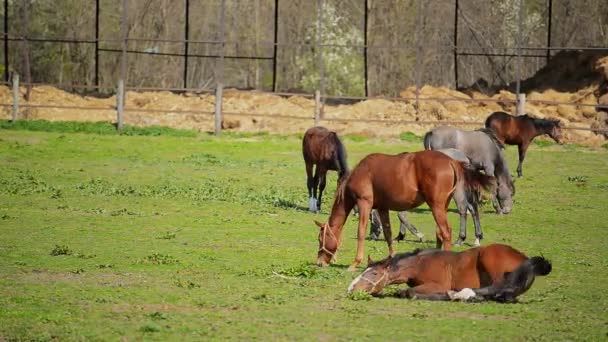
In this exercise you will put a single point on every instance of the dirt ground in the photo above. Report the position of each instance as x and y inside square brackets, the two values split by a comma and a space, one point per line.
[576, 78]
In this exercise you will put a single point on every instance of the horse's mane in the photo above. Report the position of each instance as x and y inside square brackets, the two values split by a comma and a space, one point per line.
[490, 133]
[544, 123]
[341, 190]
[398, 257]
[340, 155]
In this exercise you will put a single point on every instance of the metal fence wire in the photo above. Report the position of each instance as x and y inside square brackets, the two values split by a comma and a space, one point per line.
[292, 48]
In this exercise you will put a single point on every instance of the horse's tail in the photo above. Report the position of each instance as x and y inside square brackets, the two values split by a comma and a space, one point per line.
[341, 156]
[472, 180]
[517, 282]
[427, 140]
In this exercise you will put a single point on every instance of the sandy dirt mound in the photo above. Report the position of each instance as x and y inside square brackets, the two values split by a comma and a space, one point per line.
[251, 111]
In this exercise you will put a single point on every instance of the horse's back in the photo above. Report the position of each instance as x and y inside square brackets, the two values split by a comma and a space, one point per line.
[316, 147]
[500, 259]
[478, 147]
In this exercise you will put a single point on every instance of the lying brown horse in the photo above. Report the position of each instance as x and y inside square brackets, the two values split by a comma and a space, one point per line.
[494, 272]
[323, 148]
[521, 130]
[397, 182]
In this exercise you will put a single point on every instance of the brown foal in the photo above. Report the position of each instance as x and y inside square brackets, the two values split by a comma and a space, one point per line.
[396, 182]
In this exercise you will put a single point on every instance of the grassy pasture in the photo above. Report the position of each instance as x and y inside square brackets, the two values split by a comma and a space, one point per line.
[190, 237]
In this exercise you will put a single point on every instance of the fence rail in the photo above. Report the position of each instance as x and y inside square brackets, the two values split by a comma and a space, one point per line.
[518, 53]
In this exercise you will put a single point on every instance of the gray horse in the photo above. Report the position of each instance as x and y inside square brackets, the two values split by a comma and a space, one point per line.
[484, 152]
[467, 202]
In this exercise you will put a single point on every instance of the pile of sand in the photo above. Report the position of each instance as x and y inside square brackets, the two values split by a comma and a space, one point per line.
[577, 78]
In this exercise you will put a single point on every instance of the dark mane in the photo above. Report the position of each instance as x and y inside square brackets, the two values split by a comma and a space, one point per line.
[398, 257]
[489, 132]
[545, 124]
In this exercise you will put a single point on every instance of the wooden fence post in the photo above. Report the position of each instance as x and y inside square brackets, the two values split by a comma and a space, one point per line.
[15, 96]
[218, 108]
[120, 104]
[521, 104]
[318, 105]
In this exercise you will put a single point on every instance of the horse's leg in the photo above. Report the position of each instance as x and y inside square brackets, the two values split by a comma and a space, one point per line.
[489, 171]
[462, 205]
[376, 225]
[386, 229]
[364, 210]
[444, 231]
[322, 183]
[426, 291]
[521, 148]
[310, 185]
[472, 203]
[404, 224]
[315, 184]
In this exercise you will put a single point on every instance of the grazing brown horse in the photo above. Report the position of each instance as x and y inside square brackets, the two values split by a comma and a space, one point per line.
[397, 182]
[494, 272]
[323, 148]
[521, 130]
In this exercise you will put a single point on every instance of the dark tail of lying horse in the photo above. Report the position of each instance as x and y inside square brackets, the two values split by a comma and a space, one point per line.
[517, 282]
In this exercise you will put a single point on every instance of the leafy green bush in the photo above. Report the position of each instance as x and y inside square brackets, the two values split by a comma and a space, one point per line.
[409, 137]
[61, 250]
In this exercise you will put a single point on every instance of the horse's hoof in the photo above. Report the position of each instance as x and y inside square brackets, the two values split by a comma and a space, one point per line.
[458, 243]
[477, 243]
[352, 268]
[400, 237]
[420, 237]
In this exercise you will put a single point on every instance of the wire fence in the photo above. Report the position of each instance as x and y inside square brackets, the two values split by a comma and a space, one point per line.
[520, 52]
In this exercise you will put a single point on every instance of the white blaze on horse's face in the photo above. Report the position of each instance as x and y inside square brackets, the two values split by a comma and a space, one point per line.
[352, 285]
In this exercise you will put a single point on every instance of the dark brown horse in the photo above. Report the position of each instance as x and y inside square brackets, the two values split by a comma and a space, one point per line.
[397, 182]
[494, 272]
[323, 148]
[521, 130]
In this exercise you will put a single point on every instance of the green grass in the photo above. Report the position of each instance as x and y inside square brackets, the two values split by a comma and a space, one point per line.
[104, 128]
[108, 237]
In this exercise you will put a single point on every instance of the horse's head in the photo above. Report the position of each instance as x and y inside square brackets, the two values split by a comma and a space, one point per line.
[328, 244]
[555, 132]
[373, 279]
[504, 194]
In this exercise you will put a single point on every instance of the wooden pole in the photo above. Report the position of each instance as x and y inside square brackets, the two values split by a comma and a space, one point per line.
[6, 68]
[317, 107]
[96, 81]
[120, 95]
[521, 104]
[219, 90]
[520, 15]
[550, 15]
[186, 43]
[319, 47]
[15, 96]
[417, 71]
[218, 109]
[365, 27]
[275, 46]
[120, 104]
[456, 44]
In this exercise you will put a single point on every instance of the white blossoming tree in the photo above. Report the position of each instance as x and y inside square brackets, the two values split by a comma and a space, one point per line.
[342, 66]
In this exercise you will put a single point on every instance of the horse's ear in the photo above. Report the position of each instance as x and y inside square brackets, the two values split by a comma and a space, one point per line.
[321, 225]
[369, 260]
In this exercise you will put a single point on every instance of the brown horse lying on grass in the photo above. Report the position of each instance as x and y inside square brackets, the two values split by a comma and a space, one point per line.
[494, 272]
[397, 182]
